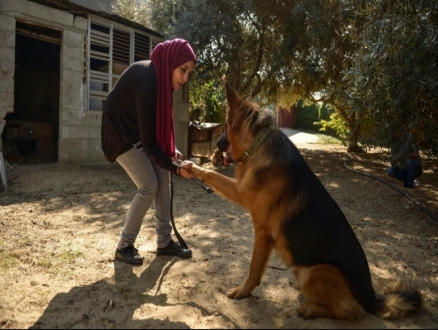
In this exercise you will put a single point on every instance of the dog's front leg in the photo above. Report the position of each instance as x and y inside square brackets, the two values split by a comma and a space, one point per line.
[222, 184]
[263, 246]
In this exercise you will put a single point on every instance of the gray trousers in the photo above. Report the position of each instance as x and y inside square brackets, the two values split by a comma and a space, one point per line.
[153, 184]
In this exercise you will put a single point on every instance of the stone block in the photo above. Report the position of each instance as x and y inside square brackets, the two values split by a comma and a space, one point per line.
[62, 17]
[71, 118]
[7, 54]
[73, 101]
[85, 145]
[6, 85]
[70, 89]
[178, 95]
[89, 158]
[5, 110]
[92, 118]
[95, 145]
[7, 39]
[70, 145]
[70, 63]
[7, 24]
[73, 77]
[7, 68]
[181, 112]
[79, 132]
[36, 10]
[63, 157]
[97, 158]
[13, 6]
[6, 100]
[80, 23]
[95, 132]
[72, 44]
[75, 158]
[64, 132]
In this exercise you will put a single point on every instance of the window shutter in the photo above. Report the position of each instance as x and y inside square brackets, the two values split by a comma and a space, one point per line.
[99, 65]
[141, 49]
[110, 52]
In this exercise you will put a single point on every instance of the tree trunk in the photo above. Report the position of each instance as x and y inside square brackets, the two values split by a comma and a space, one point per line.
[354, 136]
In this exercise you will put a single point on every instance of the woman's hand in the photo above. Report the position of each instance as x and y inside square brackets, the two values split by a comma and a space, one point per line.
[178, 155]
[184, 169]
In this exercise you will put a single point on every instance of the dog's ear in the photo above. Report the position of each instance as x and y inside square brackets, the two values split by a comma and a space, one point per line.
[233, 98]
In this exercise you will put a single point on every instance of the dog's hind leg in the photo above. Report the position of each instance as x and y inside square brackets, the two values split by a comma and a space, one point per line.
[327, 294]
[263, 246]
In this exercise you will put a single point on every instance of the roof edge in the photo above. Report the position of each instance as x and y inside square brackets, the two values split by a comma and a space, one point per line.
[74, 8]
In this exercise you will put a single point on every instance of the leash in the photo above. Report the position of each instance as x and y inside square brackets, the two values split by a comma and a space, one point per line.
[178, 236]
[172, 220]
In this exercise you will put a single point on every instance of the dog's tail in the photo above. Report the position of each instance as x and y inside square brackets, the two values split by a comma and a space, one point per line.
[400, 299]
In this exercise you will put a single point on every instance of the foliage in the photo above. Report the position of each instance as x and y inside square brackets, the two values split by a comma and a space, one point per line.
[373, 61]
[164, 13]
[241, 39]
[139, 11]
[393, 79]
[334, 124]
[309, 116]
[306, 115]
[125, 8]
[207, 102]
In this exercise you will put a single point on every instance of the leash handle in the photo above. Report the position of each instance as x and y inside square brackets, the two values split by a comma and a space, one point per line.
[206, 188]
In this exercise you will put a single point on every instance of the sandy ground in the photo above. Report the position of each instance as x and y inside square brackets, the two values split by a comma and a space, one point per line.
[59, 226]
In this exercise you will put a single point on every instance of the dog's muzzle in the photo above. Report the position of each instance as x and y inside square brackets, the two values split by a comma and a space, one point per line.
[224, 146]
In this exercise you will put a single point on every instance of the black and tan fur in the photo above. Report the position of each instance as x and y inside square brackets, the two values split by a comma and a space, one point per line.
[294, 214]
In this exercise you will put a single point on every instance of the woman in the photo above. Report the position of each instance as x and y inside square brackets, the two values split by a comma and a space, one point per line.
[138, 132]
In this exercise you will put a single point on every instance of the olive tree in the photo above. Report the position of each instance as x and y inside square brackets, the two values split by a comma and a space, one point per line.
[392, 82]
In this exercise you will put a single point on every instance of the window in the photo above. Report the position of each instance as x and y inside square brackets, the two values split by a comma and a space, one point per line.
[111, 49]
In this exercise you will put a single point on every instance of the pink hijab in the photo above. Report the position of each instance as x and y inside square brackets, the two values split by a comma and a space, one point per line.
[166, 57]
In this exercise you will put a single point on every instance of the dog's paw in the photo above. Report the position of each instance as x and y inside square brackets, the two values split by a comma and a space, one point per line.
[305, 314]
[238, 293]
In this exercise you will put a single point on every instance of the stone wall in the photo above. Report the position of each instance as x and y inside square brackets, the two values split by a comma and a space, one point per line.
[7, 56]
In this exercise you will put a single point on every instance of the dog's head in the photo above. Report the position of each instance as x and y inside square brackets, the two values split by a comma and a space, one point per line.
[244, 120]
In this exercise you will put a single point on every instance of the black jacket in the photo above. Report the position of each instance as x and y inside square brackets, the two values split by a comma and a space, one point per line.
[129, 115]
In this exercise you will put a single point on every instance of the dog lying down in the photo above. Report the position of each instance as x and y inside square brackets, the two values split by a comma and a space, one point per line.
[293, 214]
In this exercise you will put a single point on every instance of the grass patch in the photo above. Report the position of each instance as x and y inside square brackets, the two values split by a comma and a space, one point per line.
[323, 138]
[53, 261]
[7, 260]
[328, 139]
[25, 241]
[45, 263]
[69, 254]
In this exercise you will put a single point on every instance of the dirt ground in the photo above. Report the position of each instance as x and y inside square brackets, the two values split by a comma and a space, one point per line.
[59, 226]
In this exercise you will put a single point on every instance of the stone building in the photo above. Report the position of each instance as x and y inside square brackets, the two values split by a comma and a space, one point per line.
[59, 60]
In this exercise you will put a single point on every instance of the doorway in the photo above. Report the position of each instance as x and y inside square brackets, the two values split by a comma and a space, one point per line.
[32, 130]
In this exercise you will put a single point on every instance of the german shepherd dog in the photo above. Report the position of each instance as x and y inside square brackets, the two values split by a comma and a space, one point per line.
[294, 214]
